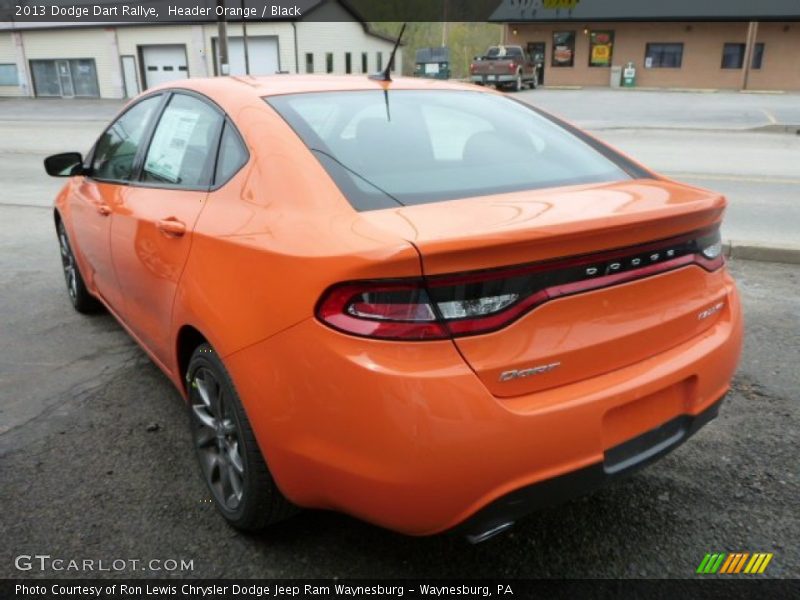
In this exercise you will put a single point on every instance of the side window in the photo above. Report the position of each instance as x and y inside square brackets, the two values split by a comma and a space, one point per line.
[184, 143]
[116, 148]
[232, 155]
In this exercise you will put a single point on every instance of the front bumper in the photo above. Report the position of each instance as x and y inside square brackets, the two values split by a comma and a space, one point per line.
[405, 435]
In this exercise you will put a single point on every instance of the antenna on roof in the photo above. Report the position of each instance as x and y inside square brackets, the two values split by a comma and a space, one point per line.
[385, 75]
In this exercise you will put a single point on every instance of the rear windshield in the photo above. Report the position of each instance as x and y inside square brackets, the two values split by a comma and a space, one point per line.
[406, 147]
[503, 52]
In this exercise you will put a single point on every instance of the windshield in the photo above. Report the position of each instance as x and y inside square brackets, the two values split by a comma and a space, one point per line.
[413, 147]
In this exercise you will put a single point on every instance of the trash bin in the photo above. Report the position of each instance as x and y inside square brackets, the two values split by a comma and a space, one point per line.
[616, 76]
[629, 75]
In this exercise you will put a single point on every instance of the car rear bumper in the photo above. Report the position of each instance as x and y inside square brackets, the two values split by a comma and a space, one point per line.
[619, 461]
[406, 436]
[493, 79]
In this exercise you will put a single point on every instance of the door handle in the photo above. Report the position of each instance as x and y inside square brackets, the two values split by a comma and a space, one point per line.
[171, 226]
[104, 209]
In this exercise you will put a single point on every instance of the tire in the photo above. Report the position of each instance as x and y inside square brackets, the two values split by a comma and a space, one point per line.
[517, 85]
[230, 461]
[81, 299]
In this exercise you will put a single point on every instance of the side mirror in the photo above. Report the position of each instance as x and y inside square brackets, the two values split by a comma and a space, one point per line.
[66, 164]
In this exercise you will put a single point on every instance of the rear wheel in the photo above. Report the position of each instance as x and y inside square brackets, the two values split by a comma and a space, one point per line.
[230, 460]
[517, 85]
[80, 297]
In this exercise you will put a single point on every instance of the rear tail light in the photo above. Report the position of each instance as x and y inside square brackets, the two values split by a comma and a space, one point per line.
[710, 246]
[479, 302]
[386, 310]
[472, 67]
[512, 66]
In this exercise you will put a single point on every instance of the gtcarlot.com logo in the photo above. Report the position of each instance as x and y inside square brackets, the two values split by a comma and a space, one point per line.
[734, 563]
[46, 562]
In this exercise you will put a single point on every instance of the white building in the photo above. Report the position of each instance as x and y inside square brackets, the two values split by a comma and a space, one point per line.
[120, 60]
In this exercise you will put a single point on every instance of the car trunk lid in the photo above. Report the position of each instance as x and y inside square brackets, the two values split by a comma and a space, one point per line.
[574, 331]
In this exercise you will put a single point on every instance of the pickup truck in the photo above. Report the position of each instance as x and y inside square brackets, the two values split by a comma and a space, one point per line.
[504, 66]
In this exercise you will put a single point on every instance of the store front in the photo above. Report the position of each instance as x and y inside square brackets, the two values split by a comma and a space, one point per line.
[696, 55]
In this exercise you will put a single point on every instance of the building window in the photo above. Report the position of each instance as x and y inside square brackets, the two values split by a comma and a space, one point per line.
[758, 56]
[601, 48]
[309, 62]
[733, 56]
[563, 48]
[329, 62]
[364, 60]
[8, 74]
[663, 56]
[379, 61]
[348, 62]
[67, 77]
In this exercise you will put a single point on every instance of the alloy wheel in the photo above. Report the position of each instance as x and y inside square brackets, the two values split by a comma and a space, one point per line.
[68, 263]
[217, 440]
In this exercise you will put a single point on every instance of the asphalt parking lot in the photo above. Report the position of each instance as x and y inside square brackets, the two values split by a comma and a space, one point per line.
[96, 460]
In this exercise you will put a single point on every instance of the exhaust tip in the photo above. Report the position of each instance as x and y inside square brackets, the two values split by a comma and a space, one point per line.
[477, 538]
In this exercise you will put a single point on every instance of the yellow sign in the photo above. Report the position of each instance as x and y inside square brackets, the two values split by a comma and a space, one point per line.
[556, 4]
[601, 44]
[601, 54]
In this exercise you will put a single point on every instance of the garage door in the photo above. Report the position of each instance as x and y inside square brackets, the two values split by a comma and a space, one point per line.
[164, 63]
[262, 55]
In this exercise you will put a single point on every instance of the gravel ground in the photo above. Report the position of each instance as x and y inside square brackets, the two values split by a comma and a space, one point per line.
[107, 472]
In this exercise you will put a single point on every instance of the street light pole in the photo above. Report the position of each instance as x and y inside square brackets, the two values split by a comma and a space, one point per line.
[749, 51]
[244, 42]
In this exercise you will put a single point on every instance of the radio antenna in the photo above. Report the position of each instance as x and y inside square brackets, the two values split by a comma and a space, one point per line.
[385, 75]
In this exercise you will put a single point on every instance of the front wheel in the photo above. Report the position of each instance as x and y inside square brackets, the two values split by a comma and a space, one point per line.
[230, 461]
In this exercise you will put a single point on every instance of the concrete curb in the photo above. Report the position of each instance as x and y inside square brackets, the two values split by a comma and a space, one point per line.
[778, 128]
[788, 253]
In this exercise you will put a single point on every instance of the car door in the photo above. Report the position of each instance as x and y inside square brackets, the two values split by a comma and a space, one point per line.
[152, 229]
[95, 195]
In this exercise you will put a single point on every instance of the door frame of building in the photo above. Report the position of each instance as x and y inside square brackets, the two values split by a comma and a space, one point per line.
[65, 62]
[530, 46]
[137, 85]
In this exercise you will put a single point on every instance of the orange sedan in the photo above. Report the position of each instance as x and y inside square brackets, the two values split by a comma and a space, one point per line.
[421, 303]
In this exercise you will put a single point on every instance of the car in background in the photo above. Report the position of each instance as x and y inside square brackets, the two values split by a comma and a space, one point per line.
[418, 302]
[433, 63]
[509, 67]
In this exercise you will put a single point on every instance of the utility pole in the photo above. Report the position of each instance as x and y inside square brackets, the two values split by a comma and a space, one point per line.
[444, 24]
[244, 42]
[749, 51]
[222, 41]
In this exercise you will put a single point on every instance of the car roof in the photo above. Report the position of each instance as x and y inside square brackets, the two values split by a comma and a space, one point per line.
[273, 85]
